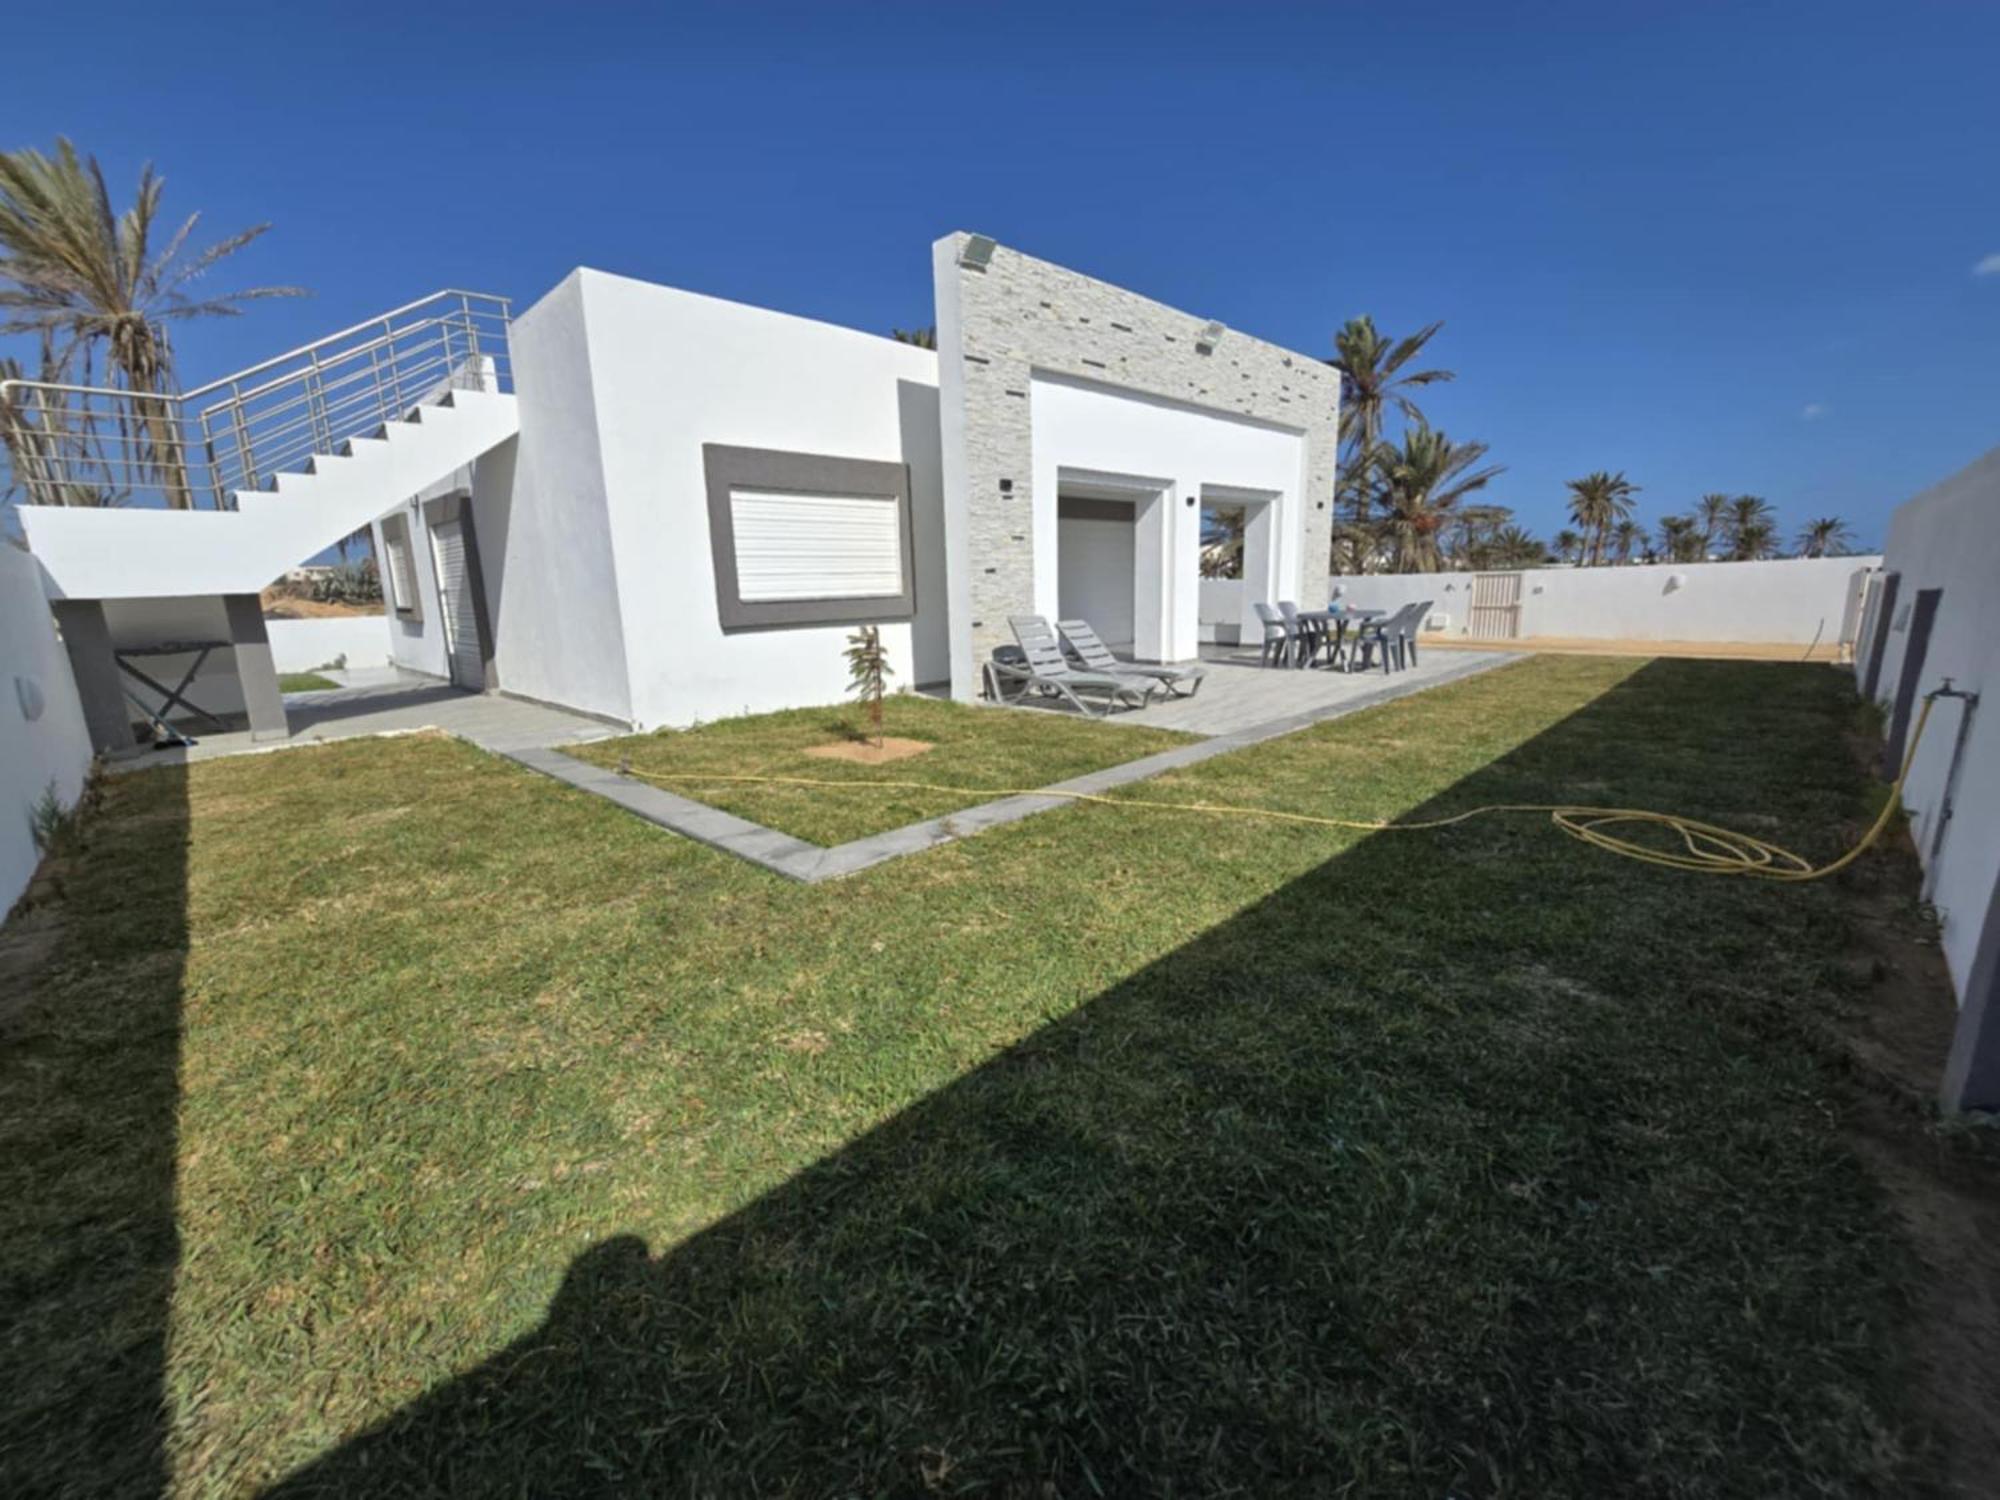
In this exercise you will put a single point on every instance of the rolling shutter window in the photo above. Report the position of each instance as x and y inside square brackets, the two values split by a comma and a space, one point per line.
[792, 546]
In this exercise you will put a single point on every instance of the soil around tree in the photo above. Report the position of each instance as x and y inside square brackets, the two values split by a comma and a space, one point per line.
[867, 753]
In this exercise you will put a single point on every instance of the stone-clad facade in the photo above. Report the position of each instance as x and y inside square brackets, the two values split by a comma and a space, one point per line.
[1020, 315]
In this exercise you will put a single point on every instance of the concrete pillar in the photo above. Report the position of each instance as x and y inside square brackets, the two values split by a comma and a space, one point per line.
[87, 638]
[259, 678]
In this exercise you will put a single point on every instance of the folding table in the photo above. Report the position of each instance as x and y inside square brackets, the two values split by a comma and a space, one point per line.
[169, 697]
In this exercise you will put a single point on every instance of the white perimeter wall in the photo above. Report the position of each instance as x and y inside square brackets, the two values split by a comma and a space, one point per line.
[1083, 427]
[669, 371]
[1788, 602]
[42, 734]
[1222, 610]
[1949, 538]
[301, 645]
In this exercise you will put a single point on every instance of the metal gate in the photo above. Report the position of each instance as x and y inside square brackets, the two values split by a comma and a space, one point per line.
[1495, 613]
[461, 628]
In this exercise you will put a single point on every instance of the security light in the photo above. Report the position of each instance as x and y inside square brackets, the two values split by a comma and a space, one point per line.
[1210, 335]
[976, 253]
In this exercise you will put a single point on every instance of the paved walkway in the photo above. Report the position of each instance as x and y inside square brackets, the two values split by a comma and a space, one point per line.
[1238, 694]
[1237, 706]
[785, 855]
[385, 701]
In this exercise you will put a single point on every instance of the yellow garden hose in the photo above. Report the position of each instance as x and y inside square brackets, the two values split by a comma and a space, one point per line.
[1706, 849]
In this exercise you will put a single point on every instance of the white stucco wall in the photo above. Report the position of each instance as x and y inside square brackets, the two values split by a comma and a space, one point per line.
[42, 736]
[1789, 602]
[1949, 538]
[539, 510]
[669, 371]
[1080, 428]
[301, 645]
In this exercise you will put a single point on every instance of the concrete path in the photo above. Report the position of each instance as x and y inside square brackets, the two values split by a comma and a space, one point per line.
[1238, 706]
[385, 701]
[785, 855]
[1239, 695]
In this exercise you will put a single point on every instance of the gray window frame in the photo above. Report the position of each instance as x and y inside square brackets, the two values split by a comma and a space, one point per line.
[728, 468]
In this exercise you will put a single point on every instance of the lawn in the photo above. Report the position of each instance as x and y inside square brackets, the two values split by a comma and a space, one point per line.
[381, 1119]
[984, 750]
[304, 682]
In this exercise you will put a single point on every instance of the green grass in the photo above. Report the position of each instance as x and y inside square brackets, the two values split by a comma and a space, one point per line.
[304, 682]
[387, 1120]
[980, 749]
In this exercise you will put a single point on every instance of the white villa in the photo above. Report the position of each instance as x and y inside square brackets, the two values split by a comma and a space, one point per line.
[657, 507]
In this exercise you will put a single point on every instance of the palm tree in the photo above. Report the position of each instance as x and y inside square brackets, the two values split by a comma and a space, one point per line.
[77, 271]
[1825, 536]
[1711, 514]
[1627, 537]
[1681, 539]
[1745, 513]
[1373, 378]
[1597, 502]
[1513, 547]
[1568, 546]
[922, 338]
[1222, 531]
[1423, 479]
[1473, 529]
[1759, 539]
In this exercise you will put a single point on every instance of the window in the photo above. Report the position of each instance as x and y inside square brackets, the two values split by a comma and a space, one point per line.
[804, 539]
[399, 571]
[791, 546]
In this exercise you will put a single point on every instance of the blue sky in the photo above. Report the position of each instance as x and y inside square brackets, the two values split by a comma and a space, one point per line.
[1718, 247]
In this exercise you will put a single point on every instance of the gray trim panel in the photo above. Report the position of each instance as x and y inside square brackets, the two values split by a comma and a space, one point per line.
[728, 468]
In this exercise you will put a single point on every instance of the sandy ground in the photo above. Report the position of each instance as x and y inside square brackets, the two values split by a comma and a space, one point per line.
[868, 753]
[1576, 646]
[279, 606]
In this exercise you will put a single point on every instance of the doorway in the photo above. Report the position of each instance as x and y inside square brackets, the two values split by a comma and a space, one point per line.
[450, 554]
[1096, 563]
[1915, 649]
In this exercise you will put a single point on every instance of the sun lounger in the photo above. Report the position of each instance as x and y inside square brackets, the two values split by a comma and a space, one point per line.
[1089, 648]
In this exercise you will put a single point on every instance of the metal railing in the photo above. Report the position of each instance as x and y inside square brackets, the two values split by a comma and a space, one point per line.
[92, 445]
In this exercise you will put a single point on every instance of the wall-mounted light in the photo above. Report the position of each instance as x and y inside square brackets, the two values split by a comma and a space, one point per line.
[1210, 335]
[28, 692]
[976, 254]
[1676, 581]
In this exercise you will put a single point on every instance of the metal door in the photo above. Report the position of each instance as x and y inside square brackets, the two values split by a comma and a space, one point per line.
[461, 627]
[1914, 650]
[1495, 613]
[1878, 638]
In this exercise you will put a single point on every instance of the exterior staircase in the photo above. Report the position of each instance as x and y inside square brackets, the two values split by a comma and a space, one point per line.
[290, 455]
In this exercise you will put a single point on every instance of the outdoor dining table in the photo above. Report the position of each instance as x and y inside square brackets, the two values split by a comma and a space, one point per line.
[1319, 623]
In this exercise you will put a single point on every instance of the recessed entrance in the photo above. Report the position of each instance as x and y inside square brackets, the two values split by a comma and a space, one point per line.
[1112, 559]
[1095, 548]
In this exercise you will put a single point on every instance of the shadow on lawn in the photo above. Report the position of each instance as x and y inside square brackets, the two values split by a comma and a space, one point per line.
[1444, 1174]
[89, 1064]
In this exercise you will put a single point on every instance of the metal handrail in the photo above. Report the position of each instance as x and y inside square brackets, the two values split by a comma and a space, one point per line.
[107, 442]
[334, 338]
